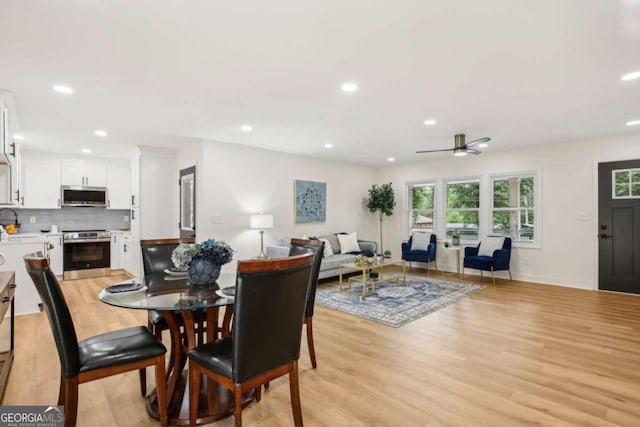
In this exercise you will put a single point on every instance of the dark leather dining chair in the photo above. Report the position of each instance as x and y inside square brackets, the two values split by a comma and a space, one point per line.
[301, 246]
[156, 257]
[265, 339]
[96, 357]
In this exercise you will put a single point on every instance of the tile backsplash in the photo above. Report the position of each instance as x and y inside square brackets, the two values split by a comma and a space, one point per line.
[67, 218]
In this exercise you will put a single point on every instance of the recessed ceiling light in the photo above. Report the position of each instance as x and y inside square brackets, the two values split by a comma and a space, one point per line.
[100, 132]
[630, 76]
[86, 150]
[349, 87]
[430, 122]
[391, 159]
[246, 128]
[18, 137]
[483, 145]
[65, 90]
[328, 145]
[633, 123]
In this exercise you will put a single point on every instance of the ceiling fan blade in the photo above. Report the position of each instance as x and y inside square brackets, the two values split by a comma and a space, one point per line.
[434, 151]
[478, 141]
[473, 151]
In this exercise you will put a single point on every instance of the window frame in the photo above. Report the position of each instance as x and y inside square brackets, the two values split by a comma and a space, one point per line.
[462, 180]
[410, 210]
[537, 207]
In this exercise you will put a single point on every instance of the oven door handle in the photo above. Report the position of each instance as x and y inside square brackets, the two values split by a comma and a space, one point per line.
[89, 241]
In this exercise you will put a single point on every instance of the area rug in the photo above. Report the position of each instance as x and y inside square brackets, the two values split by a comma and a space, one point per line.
[397, 305]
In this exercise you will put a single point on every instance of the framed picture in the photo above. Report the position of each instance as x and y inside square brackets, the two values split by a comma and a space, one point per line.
[310, 201]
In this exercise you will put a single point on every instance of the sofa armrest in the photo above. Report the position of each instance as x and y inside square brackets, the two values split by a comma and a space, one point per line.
[368, 245]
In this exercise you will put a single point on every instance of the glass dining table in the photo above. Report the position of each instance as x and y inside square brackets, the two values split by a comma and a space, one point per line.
[192, 315]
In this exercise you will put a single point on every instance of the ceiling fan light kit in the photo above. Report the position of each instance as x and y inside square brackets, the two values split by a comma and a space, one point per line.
[462, 148]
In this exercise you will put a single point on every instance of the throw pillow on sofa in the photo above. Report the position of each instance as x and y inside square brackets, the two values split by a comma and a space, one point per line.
[490, 244]
[328, 251]
[348, 243]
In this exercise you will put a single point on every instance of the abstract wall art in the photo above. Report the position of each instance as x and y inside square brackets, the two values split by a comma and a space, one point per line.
[310, 201]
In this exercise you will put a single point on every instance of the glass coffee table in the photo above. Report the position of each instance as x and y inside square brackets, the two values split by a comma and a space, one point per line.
[366, 281]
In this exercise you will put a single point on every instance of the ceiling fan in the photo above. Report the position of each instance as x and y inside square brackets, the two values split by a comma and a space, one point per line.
[460, 148]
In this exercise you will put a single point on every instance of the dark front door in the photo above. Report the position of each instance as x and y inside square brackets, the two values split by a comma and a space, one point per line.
[188, 202]
[619, 226]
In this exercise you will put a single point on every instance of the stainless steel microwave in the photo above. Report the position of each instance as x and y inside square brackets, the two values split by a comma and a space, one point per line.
[80, 195]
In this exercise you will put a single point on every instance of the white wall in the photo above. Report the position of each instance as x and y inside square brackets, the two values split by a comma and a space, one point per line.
[568, 251]
[236, 181]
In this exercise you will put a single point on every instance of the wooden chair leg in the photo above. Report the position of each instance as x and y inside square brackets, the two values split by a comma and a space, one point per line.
[258, 393]
[70, 392]
[194, 392]
[161, 387]
[294, 389]
[143, 381]
[61, 390]
[312, 350]
[266, 385]
[237, 410]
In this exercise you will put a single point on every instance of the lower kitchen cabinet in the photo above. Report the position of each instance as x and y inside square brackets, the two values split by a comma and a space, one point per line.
[7, 290]
[55, 253]
[27, 299]
[117, 249]
[131, 257]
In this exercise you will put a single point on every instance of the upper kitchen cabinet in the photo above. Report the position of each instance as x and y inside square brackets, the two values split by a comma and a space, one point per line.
[119, 185]
[9, 158]
[40, 182]
[84, 172]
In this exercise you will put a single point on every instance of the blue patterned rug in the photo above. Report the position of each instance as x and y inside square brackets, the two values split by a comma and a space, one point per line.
[396, 306]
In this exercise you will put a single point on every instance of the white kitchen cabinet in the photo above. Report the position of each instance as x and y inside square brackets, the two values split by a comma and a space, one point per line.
[119, 186]
[131, 257]
[55, 253]
[27, 299]
[40, 182]
[9, 150]
[135, 179]
[117, 249]
[83, 172]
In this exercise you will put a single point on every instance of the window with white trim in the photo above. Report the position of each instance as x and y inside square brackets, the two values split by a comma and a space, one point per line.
[626, 183]
[463, 208]
[421, 197]
[513, 204]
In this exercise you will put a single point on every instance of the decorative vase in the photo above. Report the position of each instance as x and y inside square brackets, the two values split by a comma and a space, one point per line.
[203, 272]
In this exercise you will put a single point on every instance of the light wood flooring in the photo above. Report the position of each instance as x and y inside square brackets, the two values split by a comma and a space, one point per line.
[512, 354]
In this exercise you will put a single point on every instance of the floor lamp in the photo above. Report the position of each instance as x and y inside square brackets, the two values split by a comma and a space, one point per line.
[262, 222]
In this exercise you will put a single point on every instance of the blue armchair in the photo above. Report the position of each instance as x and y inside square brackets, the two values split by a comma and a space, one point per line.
[499, 261]
[426, 255]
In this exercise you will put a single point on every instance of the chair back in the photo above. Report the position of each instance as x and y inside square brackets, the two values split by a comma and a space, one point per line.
[64, 333]
[268, 314]
[156, 254]
[301, 246]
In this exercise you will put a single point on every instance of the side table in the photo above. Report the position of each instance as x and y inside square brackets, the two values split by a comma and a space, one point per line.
[457, 250]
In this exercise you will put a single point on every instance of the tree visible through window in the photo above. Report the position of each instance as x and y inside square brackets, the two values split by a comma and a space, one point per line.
[513, 212]
[626, 183]
[463, 207]
[422, 207]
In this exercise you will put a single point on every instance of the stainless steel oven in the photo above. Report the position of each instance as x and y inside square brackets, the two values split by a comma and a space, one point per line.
[87, 253]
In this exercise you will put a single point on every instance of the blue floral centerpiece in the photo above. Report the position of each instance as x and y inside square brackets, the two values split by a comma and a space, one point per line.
[202, 261]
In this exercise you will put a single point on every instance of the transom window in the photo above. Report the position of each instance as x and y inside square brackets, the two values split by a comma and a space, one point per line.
[422, 207]
[626, 184]
[514, 210]
[463, 208]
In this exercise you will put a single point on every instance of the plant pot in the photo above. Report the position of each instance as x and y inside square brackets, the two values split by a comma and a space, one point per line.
[203, 272]
[455, 241]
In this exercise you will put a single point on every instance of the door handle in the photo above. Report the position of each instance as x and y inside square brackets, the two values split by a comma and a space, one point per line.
[605, 236]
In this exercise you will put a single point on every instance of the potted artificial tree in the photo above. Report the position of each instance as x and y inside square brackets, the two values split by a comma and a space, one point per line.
[381, 201]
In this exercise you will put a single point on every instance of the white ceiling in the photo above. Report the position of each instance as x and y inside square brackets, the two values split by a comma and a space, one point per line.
[165, 72]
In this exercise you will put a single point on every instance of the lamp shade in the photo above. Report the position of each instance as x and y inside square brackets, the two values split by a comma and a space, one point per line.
[262, 221]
